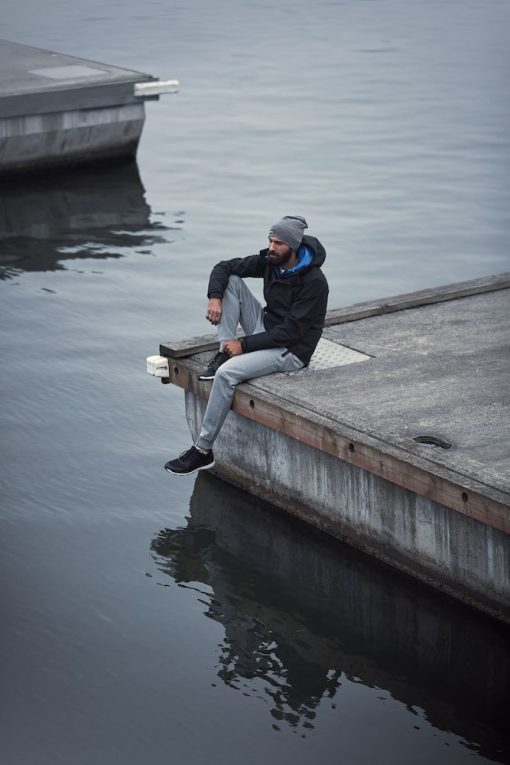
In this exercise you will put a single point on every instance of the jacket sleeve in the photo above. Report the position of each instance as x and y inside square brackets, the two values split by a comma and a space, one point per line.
[308, 310]
[258, 342]
[253, 265]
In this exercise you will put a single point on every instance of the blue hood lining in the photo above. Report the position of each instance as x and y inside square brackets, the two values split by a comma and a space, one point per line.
[305, 257]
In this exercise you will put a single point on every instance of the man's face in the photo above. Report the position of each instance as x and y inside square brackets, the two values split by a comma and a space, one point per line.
[280, 254]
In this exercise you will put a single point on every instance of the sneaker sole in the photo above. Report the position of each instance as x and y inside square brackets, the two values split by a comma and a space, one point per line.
[203, 467]
[206, 377]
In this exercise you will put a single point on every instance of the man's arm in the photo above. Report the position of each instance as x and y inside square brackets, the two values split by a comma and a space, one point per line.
[253, 265]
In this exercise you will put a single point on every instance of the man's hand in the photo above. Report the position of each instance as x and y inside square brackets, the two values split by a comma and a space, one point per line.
[232, 348]
[214, 310]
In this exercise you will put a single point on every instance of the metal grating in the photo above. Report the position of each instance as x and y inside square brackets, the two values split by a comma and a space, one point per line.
[328, 355]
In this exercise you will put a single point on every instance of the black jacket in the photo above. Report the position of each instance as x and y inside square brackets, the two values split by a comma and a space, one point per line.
[295, 304]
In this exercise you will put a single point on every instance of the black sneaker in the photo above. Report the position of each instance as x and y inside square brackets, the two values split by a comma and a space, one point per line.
[213, 366]
[190, 462]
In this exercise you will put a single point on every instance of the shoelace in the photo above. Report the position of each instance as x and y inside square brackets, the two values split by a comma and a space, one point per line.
[188, 452]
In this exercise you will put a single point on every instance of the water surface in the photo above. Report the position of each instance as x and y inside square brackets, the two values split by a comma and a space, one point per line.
[178, 620]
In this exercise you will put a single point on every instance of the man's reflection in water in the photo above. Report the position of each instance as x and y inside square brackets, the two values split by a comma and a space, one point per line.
[299, 609]
[262, 639]
[97, 212]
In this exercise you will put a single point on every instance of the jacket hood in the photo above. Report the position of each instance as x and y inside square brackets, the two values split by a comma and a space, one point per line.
[318, 251]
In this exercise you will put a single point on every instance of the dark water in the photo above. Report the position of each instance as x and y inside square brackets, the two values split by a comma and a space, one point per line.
[174, 620]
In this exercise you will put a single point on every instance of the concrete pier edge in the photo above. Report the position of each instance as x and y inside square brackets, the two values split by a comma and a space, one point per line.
[395, 474]
[456, 491]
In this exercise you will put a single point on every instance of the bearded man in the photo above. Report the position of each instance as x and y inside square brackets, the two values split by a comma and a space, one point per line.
[278, 338]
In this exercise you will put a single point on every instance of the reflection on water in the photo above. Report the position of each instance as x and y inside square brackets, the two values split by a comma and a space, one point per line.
[304, 614]
[98, 212]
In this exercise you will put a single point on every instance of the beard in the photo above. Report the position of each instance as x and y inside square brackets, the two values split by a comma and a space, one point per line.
[281, 260]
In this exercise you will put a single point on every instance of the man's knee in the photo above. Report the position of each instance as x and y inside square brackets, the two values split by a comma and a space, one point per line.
[225, 374]
[234, 282]
[232, 372]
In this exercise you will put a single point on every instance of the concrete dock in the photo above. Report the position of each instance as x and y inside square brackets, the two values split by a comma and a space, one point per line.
[395, 439]
[57, 109]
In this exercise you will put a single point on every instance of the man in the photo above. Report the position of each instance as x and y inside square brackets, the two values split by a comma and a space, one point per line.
[278, 338]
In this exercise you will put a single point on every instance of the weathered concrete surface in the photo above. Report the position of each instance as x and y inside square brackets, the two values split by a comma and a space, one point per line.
[56, 109]
[439, 370]
[33, 142]
[337, 447]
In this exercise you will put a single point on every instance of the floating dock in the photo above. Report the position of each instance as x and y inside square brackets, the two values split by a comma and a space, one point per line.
[395, 439]
[58, 110]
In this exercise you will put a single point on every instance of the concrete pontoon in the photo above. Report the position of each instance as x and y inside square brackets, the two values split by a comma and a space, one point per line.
[57, 109]
[396, 438]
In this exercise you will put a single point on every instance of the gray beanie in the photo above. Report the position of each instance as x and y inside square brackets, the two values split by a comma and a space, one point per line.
[289, 230]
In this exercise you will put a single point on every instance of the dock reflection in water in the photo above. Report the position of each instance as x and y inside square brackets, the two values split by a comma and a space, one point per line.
[98, 212]
[306, 614]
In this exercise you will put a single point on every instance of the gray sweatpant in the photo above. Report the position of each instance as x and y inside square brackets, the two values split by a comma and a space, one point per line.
[240, 306]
